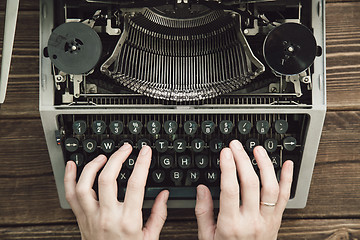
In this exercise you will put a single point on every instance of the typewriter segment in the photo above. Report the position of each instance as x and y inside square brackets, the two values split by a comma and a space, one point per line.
[185, 78]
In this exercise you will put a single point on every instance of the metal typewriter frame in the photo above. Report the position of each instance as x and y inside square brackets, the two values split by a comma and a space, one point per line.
[316, 111]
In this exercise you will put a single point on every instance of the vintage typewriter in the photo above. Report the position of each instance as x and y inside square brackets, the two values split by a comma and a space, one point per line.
[184, 77]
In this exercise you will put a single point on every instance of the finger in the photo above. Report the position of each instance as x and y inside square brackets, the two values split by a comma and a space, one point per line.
[157, 217]
[204, 211]
[269, 183]
[84, 191]
[134, 195]
[285, 186]
[229, 186]
[70, 186]
[249, 182]
[108, 176]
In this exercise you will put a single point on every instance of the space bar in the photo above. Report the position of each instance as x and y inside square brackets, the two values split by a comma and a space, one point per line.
[179, 192]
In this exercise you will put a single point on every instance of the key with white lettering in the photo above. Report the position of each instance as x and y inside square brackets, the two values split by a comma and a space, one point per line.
[170, 127]
[262, 126]
[211, 175]
[79, 127]
[197, 145]
[130, 162]
[226, 126]
[201, 161]
[270, 145]
[158, 175]
[107, 145]
[289, 143]
[184, 161]
[71, 144]
[167, 161]
[123, 176]
[116, 127]
[190, 127]
[254, 163]
[78, 158]
[281, 126]
[161, 145]
[193, 175]
[244, 127]
[176, 176]
[153, 127]
[179, 145]
[98, 127]
[89, 145]
[215, 161]
[251, 144]
[143, 142]
[122, 142]
[208, 127]
[275, 159]
[135, 127]
[216, 145]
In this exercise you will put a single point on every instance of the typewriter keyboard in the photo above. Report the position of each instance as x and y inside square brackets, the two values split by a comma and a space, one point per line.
[186, 147]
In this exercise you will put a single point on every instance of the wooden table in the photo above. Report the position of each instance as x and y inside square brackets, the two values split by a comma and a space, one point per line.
[29, 206]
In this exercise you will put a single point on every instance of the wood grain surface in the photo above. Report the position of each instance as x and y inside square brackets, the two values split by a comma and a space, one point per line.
[29, 207]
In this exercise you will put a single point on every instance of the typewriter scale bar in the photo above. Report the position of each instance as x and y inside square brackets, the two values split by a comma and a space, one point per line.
[186, 148]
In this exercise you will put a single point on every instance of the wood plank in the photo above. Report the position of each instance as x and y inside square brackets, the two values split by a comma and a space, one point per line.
[330, 229]
[28, 192]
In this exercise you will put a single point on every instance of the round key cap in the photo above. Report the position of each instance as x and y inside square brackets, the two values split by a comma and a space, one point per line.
[211, 175]
[275, 159]
[89, 145]
[143, 142]
[215, 161]
[158, 175]
[124, 175]
[208, 127]
[201, 161]
[251, 144]
[176, 175]
[161, 145]
[289, 143]
[226, 126]
[244, 127]
[78, 158]
[262, 126]
[254, 163]
[170, 127]
[184, 161]
[197, 145]
[107, 145]
[79, 127]
[153, 127]
[130, 162]
[71, 144]
[270, 145]
[135, 127]
[193, 175]
[98, 127]
[116, 127]
[216, 145]
[190, 127]
[281, 126]
[167, 161]
[179, 145]
[129, 141]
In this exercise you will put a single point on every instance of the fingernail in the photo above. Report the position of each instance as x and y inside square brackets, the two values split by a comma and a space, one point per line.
[68, 166]
[100, 158]
[261, 151]
[227, 154]
[237, 144]
[166, 196]
[144, 150]
[200, 193]
[125, 147]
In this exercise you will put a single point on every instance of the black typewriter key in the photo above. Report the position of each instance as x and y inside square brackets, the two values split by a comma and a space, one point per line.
[254, 163]
[226, 127]
[281, 126]
[79, 127]
[262, 126]
[71, 144]
[289, 143]
[216, 145]
[193, 175]
[170, 127]
[153, 127]
[167, 161]
[158, 175]
[161, 145]
[135, 127]
[143, 142]
[78, 158]
[179, 145]
[108, 145]
[129, 141]
[251, 144]
[176, 175]
[275, 159]
[208, 127]
[116, 127]
[201, 161]
[216, 161]
[197, 145]
[244, 127]
[98, 127]
[130, 162]
[184, 161]
[211, 175]
[270, 145]
[124, 175]
[89, 145]
[190, 127]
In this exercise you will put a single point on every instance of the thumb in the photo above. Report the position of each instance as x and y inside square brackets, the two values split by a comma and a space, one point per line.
[204, 212]
[157, 217]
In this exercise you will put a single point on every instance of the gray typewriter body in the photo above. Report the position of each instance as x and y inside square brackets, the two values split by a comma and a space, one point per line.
[268, 103]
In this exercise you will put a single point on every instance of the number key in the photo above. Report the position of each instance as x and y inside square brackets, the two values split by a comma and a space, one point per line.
[135, 127]
[170, 127]
[98, 126]
[79, 127]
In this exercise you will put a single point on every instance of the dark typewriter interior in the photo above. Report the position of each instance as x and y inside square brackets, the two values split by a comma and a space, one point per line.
[181, 54]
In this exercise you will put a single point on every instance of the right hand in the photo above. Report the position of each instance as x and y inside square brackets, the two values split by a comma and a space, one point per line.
[252, 220]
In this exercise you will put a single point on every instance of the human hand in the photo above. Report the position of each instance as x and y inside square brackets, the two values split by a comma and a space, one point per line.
[254, 219]
[106, 218]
